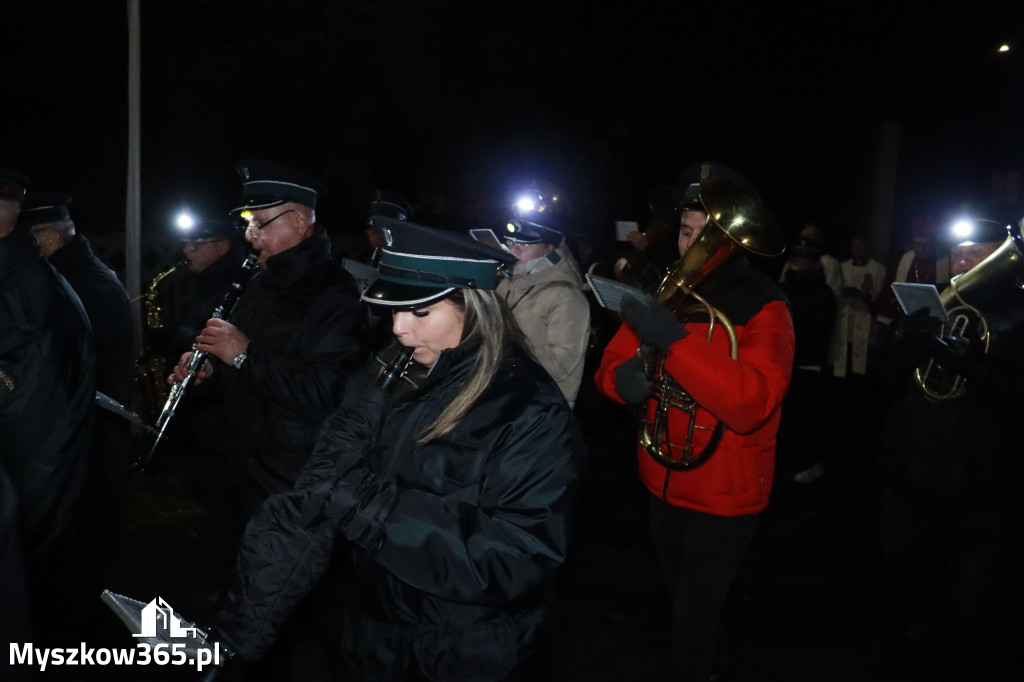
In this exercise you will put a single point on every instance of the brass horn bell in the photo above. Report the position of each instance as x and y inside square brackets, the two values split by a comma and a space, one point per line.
[737, 220]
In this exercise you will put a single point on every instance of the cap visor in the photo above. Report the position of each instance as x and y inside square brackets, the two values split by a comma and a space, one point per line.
[399, 295]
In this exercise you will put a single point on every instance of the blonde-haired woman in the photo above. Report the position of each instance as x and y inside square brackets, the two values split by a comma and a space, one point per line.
[454, 490]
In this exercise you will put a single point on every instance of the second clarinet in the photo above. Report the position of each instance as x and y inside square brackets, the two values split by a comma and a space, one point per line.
[198, 359]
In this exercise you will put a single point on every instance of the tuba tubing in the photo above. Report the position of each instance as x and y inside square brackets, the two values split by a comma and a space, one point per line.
[737, 221]
[973, 297]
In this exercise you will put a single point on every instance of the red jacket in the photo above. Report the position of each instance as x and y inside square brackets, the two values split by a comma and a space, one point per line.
[744, 394]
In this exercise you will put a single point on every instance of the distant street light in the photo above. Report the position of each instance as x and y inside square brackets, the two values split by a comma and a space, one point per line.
[1004, 48]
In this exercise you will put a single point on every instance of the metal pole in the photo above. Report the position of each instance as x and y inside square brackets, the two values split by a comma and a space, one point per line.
[133, 211]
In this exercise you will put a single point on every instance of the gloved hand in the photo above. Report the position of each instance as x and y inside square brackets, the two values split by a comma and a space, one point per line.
[653, 323]
[916, 332]
[631, 382]
[957, 355]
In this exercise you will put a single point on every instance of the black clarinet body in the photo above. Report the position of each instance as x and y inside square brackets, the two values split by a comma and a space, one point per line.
[395, 370]
[198, 359]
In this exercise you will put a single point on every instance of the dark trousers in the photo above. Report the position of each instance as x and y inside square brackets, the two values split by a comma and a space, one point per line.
[700, 554]
[947, 558]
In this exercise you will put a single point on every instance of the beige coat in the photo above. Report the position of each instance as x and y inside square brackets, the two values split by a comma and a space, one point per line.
[548, 303]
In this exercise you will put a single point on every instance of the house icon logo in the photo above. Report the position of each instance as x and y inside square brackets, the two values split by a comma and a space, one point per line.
[157, 617]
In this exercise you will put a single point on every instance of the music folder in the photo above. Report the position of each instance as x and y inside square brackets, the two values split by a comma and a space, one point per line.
[611, 293]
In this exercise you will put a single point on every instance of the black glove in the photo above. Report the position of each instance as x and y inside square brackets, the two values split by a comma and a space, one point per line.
[653, 323]
[631, 382]
[915, 334]
[957, 355]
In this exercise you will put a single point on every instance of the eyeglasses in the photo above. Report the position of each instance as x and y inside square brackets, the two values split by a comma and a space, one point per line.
[256, 226]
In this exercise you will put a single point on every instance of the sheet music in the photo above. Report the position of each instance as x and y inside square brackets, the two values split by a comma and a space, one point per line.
[610, 293]
[913, 297]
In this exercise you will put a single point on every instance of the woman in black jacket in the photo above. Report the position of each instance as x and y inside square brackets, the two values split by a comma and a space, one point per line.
[453, 493]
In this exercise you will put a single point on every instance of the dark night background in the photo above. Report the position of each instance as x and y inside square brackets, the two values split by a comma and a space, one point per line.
[460, 102]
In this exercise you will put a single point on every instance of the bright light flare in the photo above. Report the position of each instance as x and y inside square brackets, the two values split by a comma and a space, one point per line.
[526, 204]
[185, 221]
[963, 228]
[1004, 48]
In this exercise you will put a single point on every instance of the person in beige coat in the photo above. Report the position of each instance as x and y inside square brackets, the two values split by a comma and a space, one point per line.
[546, 297]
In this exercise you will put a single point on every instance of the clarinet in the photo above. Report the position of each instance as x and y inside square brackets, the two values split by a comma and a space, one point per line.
[198, 359]
[395, 370]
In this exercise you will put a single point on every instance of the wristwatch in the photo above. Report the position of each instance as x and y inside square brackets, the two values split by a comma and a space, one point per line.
[239, 360]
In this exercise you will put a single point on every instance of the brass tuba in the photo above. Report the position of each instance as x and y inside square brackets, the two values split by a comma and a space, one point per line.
[737, 220]
[967, 300]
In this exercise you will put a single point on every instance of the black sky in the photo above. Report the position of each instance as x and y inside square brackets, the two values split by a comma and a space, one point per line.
[464, 100]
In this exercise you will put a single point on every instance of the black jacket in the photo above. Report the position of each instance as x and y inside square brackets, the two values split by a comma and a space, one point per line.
[308, 331]
[47, 389]
[965, 450]
[455, 542]
[110, 314]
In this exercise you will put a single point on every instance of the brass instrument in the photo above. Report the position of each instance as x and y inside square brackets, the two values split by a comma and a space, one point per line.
[152, 368]
[968, 298]
[198, 359]
[737, 219]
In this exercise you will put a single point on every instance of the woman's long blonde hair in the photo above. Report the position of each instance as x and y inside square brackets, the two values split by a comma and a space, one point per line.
[488, 320]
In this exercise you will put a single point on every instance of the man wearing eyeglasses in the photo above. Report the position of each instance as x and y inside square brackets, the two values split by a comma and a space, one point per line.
[285, 353]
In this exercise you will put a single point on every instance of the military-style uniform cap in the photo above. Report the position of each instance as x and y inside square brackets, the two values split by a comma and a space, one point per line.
[389, 204]
[203, 229]
[689, 179]
[40, 208]
[421, 265]
[13, 185]
[526, 232]
[266, 184]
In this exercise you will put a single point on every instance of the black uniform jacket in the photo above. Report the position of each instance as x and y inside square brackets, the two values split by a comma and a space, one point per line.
[308, 332]
[47, 395]
[965, 450]
[110, 314]
[455, 542]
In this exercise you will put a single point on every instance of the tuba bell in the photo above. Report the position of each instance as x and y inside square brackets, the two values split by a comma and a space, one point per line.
[737, 220]
[969, 301]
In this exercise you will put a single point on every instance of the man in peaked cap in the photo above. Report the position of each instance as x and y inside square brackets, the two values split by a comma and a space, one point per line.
[545, 290]
[296, 334]
[950, 463]
[48, 218]
[47, 393]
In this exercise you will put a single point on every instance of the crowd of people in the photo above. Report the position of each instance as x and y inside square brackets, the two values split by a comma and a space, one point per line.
[389, 440]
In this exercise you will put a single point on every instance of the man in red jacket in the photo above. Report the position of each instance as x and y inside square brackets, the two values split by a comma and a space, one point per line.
[703, 517]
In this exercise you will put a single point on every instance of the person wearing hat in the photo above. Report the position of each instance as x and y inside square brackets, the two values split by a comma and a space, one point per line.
[452, 493]
[703, 517]
[212, 251]
[804, 433]
[545, 290]
[47, 216]
[951, 467]
[47, 398]
[295, 336]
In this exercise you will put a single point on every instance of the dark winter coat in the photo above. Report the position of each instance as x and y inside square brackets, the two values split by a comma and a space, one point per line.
[308, 331]
[456, 542]
[47, 396]
[110, 314]
[966, 450]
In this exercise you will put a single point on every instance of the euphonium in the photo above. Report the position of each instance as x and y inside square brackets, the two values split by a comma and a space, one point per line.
[969, 300]
[737, 219]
